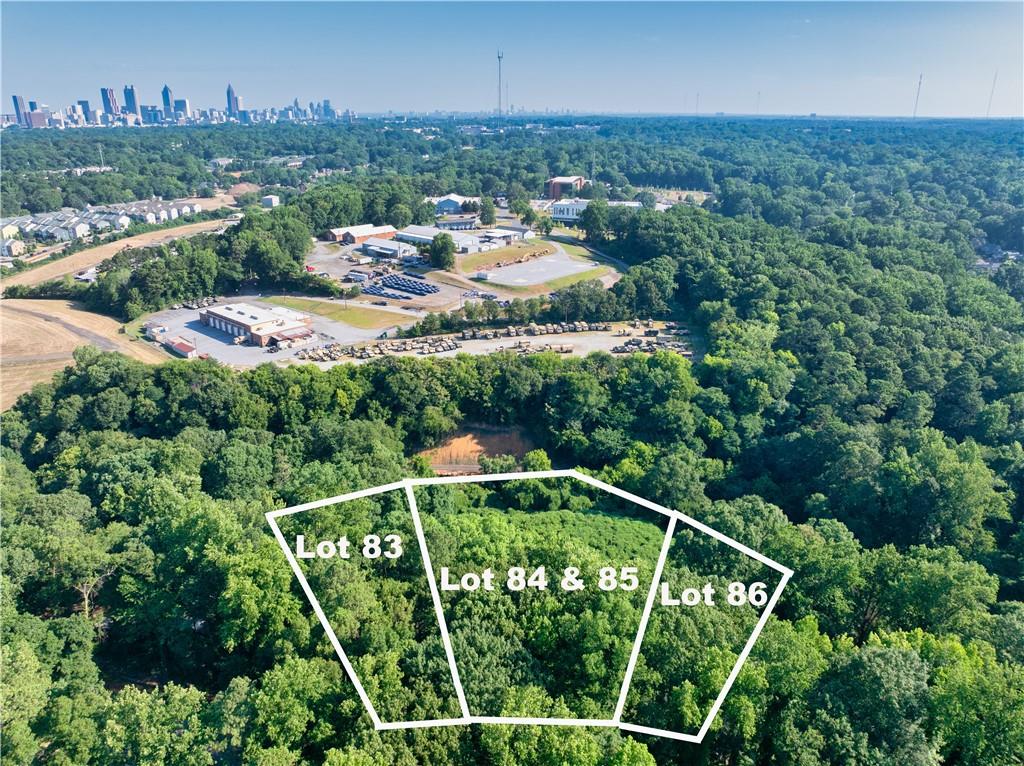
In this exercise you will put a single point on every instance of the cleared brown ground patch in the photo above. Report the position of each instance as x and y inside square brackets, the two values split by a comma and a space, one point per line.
[461, 452]
[243, 188]
[37, 338]
[86, 259]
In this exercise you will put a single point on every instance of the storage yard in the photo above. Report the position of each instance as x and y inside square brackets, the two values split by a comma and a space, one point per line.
[573, 338]
[243, 350]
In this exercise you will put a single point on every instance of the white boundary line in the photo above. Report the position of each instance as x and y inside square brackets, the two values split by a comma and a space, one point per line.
[438, 608]
[634, 654]
[743, 656]
[674, 516]
[351, 671]
[272, 517]
[518, 721]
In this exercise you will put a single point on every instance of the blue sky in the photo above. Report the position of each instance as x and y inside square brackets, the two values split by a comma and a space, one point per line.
[824, 57]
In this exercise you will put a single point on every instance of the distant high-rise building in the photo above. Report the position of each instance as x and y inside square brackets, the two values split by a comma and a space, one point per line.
[152, 115]
[168, 98]
[131, 101]
[233, 100]
[181, 106]
[33, 106]
[19, 109]
[109, 102]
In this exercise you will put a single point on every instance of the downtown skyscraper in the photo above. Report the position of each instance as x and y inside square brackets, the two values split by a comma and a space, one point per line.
[19, 109]
[131, 100]
[110, 105]
[234, 105]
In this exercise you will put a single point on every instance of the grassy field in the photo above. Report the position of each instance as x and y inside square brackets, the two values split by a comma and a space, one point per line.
[478, 261]
[574, 249]
[571, 279]
[355, 315]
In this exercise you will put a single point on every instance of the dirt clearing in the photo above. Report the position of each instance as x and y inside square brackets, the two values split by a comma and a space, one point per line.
[460, 453]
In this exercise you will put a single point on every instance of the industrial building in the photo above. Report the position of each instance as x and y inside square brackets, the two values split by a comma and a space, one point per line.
[560, 186]
[259, 325]
[569, 210]
[462, 222]
[355, 235]
[524, 232]
[271, 200]
[387, 249]
[501, 237]
[424, 235]
[451, 204]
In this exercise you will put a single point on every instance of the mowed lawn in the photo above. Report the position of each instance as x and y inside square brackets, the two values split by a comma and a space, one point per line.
[355, 315]
[571, 279]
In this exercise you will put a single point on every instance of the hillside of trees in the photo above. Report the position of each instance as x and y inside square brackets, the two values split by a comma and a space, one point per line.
[859, 418]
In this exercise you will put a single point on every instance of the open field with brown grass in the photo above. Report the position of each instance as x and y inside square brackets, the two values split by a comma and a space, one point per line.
[37, 338]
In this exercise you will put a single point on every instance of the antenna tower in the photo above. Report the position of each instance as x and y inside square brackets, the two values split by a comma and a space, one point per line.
[500, 57]
[918, 96]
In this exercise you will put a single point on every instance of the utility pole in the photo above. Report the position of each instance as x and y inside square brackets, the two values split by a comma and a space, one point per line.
[918, 96]
[500, 57]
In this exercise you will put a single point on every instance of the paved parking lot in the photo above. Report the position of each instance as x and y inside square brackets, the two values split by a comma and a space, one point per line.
[331, 257]
[219, 345]
[539, 270]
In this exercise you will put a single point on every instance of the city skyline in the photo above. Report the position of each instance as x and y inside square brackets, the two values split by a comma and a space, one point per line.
[771, 58]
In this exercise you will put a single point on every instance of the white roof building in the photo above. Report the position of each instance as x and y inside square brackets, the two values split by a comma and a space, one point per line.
[387, 248]
[424, 235]
[569, 210]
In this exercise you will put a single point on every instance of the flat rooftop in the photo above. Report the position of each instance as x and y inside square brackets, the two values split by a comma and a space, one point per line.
[247, 314]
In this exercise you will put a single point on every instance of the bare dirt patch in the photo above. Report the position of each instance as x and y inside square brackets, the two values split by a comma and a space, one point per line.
[460, 453]
[243, 188]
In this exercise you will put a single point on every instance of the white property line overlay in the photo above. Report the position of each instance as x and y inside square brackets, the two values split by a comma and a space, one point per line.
[272, 517]
[674, 516]
[438, 609]
[634, 654]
